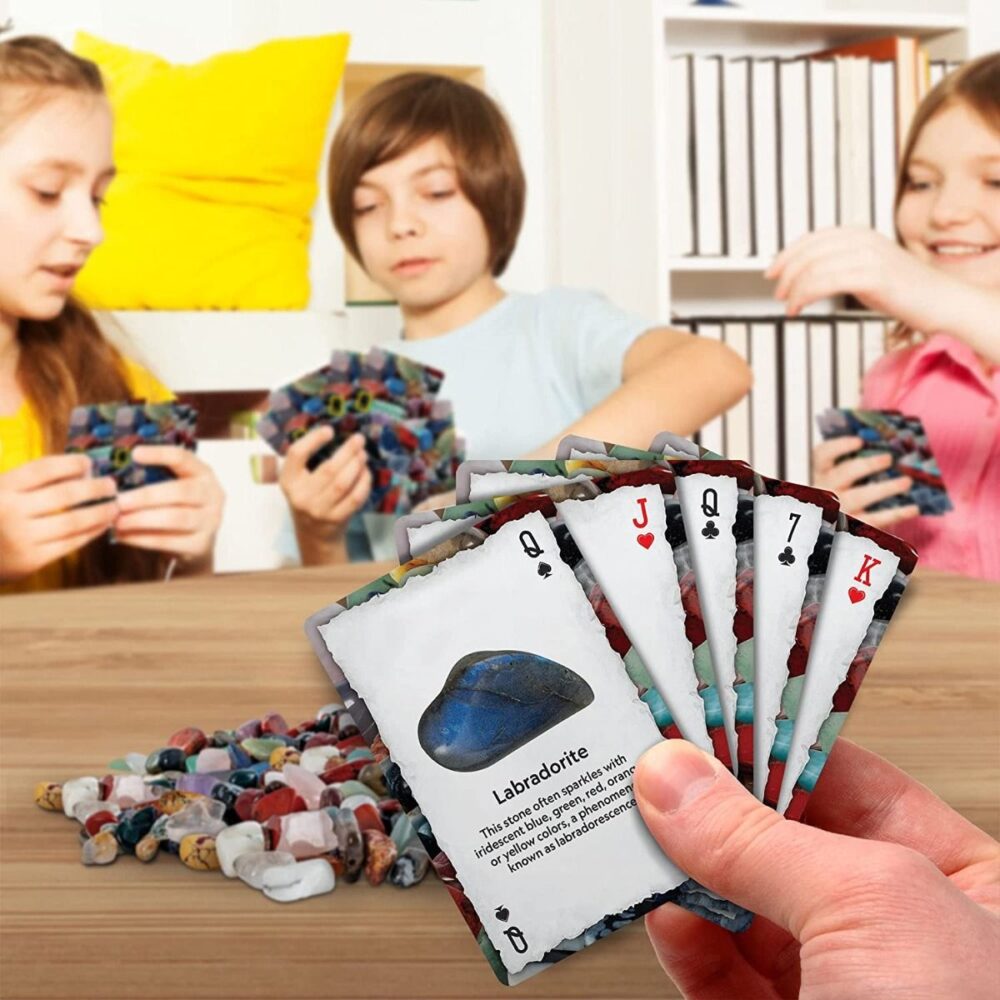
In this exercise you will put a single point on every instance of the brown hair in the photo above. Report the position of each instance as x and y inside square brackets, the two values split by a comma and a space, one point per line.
[405, 110]
[975, 84]
[65, 361]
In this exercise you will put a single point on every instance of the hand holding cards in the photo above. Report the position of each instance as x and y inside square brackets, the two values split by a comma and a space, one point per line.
[533, 647]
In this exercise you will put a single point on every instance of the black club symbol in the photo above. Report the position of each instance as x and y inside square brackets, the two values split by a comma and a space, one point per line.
[710, 530]
[787, 557]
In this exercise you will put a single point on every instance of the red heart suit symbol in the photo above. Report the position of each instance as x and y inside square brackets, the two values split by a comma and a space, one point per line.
[645, 540]
[856, 595]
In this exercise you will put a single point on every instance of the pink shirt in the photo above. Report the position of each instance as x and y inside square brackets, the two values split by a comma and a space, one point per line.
[942, 382]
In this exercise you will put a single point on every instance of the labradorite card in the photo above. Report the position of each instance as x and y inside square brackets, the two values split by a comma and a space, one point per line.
[517, 727]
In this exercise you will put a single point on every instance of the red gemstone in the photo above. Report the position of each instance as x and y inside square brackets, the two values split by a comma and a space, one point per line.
[96, 820]
[279, 803]
[274, 723]
[320, 740]
[343, 772]
[351, 742]
[245, 802]
[368, 818]
[189, 739]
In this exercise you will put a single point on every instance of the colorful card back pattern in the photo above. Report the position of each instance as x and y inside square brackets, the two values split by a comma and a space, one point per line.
[108, 433]
[868, 571]
[788, 520]
[635, 546]
[891, 432]
[413, 450]
[504, 959]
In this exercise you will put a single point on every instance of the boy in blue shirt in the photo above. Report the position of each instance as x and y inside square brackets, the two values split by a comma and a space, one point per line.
[427, 193]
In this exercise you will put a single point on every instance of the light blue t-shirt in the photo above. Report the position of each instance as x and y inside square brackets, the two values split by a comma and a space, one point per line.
[518, 375]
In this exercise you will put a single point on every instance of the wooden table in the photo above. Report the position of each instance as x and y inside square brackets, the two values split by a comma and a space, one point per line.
[86, 676]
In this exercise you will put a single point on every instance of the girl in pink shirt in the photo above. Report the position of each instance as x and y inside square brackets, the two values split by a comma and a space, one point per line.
[942, 279]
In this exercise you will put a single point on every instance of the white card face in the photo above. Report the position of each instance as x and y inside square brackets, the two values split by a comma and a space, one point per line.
[484, 485]
[622, 535]
[521, 826]
[709, 507]
[785, 532]
[859, 573]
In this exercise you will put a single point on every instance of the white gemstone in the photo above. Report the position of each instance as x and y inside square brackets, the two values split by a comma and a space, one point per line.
[237, 840]
[78, 790]
[311, 878]
[251, 867]
[315, 758]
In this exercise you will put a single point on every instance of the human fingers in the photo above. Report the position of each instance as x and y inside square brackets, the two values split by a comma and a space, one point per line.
[701, 958]
[858, 499]
[826, 453]
[79, 521]
[843, 475]
[887, 518]
[51, 551]
[190, 492]
[343, 465]
[802, 248]
[173, 519]
[181, 461]
[863, 795]
[68, 493]
[354, 499]
[46, 470]
[301, 451]
[797, 876]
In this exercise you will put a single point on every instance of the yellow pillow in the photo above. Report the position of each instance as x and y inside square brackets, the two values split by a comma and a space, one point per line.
[217, 165]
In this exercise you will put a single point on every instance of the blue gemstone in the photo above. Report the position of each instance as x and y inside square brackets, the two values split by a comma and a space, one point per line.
[495, 701]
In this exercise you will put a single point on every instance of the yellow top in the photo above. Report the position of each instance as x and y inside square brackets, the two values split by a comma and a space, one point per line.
[21, 441]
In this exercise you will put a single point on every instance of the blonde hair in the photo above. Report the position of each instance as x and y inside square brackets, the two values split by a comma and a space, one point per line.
[65, 361]
[975, 84]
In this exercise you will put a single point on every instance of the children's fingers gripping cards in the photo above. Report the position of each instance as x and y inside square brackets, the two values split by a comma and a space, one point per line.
[629, 548]
[513, 734]
[787, 522]
[889, 432]
[867, 574]
[108, 433]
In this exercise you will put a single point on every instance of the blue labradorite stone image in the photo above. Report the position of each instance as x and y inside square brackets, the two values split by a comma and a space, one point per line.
[495, 701]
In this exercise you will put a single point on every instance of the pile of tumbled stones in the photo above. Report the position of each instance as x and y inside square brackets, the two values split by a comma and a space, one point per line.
[287, 810]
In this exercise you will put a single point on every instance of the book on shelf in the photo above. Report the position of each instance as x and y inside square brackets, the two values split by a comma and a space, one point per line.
[853, 140]
[680, 157]
[822, 144]
[736, 156]
[793, 157]
[764, 156]
[709, 194]
[883, 147]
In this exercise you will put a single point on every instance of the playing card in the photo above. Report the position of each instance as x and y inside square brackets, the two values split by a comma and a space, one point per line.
[516, 730]
[589, 454]
[108, 432]
[787, 522]
[867, 573]
[410, 440]
[628, 528]
[904, 438]
[717, 503]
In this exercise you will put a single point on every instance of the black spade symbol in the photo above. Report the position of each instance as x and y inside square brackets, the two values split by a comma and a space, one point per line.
[544, 570]
[710, 530]
[787, 557]
[502, 913]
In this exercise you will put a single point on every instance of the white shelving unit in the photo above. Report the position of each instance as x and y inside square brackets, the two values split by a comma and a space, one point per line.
[608, 67]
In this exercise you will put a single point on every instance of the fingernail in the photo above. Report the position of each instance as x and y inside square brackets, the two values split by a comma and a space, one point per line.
[677, 774]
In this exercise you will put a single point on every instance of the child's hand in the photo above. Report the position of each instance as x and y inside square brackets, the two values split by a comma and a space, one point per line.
[840, 478]
[863, 263]
[179, 517]
[324, 500]
[436, 502]
[40, 516]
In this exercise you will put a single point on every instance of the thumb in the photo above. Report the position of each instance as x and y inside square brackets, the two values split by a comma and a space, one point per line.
[717, 832]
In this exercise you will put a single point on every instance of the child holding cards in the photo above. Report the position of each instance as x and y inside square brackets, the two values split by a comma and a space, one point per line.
[943, 280]
[55, 165]
[427, 193]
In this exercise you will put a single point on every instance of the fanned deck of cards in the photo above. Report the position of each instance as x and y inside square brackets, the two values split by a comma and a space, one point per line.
[410, 440]
[108, 432]
[889, 432]
[566, 615]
